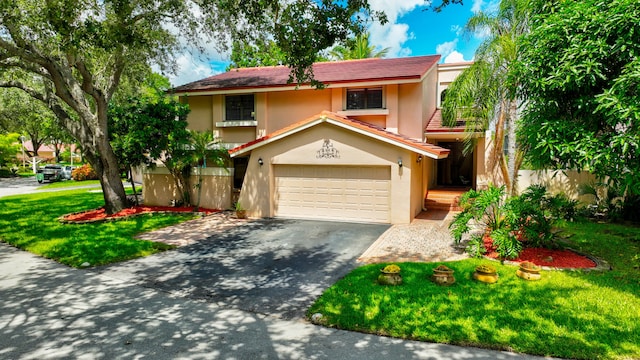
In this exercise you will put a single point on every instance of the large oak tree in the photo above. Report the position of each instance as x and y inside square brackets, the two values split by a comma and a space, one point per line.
[81, 51]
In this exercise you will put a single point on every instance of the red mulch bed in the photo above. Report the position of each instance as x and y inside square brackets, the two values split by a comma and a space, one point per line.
[565, 259]
[100, 214]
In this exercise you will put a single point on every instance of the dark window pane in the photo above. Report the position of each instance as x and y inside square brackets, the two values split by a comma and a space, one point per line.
[356, 99]
[239, 107]
[364, 98]
[374, 98]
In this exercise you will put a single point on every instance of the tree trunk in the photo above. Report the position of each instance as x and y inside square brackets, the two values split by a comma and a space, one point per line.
[496, 157]
[182, 185]
[512, 156]
[133, 186]
[108, 171]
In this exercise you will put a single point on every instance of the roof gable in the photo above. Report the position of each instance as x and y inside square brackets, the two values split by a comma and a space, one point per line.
[360, 127]
[333, 72]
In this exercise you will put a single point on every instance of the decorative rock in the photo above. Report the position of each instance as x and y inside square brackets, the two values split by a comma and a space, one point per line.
[486, 274]
[442, 275]
[390, 275]
[316, 318]
[389, 279]
[85, 264]
[528, 271]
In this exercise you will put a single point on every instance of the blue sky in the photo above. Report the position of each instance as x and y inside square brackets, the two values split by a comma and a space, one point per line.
[411, 31]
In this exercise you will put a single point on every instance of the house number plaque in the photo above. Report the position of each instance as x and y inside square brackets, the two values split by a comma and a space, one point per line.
[327, 151]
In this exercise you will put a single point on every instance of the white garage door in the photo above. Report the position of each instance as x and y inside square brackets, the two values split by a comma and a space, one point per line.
[342, 193]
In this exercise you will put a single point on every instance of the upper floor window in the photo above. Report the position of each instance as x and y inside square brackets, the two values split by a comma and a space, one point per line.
[239, 107]
[443, 96]
[366, 98]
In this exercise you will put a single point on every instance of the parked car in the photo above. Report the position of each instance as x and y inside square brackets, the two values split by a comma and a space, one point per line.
[50, 173]
[67, 170]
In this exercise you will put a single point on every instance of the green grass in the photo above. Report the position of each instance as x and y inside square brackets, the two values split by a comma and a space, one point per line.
[68, 183]
[30, 222]
[570, 314]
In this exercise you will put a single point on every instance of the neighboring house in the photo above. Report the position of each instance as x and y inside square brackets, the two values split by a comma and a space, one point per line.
[45, 152]
[368, 147]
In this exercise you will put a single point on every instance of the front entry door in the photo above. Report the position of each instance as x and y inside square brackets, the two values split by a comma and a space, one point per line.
[457, 169]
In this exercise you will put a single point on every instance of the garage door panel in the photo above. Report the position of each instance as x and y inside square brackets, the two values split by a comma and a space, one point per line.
[333, 192]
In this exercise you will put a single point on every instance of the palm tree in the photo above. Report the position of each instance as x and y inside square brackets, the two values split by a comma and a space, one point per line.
[357, 48]
[484, 94]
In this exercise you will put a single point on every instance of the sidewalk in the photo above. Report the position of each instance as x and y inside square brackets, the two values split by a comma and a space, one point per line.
[50, 311]
[21, 186]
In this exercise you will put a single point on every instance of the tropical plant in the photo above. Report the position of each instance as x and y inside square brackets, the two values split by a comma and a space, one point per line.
[485, 96]
[358, 47]
[483, 207]
[608, 201]
[475, 247]
[513, 222]
[205, 147]
[261, 53]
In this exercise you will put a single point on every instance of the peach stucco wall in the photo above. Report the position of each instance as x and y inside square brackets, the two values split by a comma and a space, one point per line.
[159, 188]
[446, 74]
[417, 181]
[355, 149]
[558, 182]
[287, 107]
[201, 116]
[429, 94]
[410, 110]
[408, 107]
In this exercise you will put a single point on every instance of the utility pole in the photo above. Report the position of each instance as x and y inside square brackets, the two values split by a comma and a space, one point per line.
[23, 160]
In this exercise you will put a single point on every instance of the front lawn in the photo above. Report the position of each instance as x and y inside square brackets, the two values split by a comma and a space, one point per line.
[69, 183]
[570, 314]
[29, 222]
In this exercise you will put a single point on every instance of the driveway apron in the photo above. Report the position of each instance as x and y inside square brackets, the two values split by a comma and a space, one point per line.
[270, 266]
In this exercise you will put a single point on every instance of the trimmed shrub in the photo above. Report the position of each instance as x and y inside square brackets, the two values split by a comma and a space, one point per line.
[84, 172]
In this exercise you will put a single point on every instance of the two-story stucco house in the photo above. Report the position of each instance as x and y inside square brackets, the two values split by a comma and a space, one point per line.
[368, 147]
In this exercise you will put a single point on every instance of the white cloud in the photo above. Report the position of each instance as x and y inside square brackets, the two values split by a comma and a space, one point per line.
[487, 7]
[454, 57]
[449, 52]
[191, 68]
[477, 6]
[393, 35]
[457, 29]
[446, 48]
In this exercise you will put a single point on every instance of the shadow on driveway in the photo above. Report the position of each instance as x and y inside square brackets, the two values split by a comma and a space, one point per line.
[268, 266]
[48, 310]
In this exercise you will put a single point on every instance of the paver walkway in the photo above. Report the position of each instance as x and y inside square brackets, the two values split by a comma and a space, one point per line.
[427, 238]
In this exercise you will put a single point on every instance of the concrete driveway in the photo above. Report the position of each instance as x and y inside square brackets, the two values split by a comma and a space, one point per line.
[269, 266]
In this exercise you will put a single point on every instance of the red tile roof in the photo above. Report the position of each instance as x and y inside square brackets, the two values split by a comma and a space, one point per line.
[435, 124]
[355, 125]
[332, 72]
